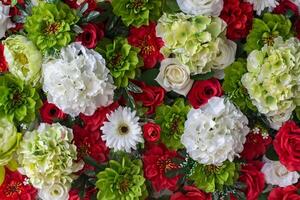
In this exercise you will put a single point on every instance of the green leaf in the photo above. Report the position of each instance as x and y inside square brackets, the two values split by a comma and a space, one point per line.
[89, 160]
[91, 16]
[13, 3]
[82, 9]
[271, 154]
[129, 99]
[148, 76]
[134, 88]
[77, 29]
[203, 76]
[170, 6]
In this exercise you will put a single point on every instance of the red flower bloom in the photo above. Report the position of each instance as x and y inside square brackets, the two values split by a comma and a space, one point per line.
[14, 188]
[284, 6]
[202, 91]
[3, 63]
[151, 97]
[286, 145]
[157, 161]
[145, 38]
[92, 33]
[297, 28]
[255, 146]
[239, 16]
[151, 132]
[190, 193]
[286, 193]
[49, 112]
[94, 122]
[92, 4]
[253, 178]
[73, 194]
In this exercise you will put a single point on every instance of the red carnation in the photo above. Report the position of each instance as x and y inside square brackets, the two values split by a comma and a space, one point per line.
[151, 132]
[14, 187]
[202, 91]
[73, 194]
[284, 6]
[90, 36]
[190, 193]
[145, 38]
[3, 63]
[253, 178]
[151, 97]
[49, 113]
[286, 145]
[286, 193]
[239, 16]
[157, 161]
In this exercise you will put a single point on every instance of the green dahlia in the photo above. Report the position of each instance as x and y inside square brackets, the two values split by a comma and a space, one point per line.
[49, 26]
[171, 119]
[18, 100]
[266, 29]
[122, 180]
[137, 12]
[210, 178]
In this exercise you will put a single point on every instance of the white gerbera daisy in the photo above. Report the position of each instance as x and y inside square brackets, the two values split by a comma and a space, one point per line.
[260, 5]
[122, 130]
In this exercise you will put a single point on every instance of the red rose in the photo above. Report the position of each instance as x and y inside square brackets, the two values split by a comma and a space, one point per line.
[191, 193]
[49, 112]
[73, 194]
[239, 16]
[92, 33]
[202, 91]
[151, 132]
[151, 97]
[284, 6]
[286, 145]
[145, 38]
[157, 160]
[14, 187]
[253, 178]
[3, 63]
[94, 122]
[286, 193]
[255, 146]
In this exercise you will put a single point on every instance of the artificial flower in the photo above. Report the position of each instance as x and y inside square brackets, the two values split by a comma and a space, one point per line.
[282, 193]
[239, 16]
[157, 161]
[47, 156]
[190, 193]
[151, 132]
[74, 194]
[49, 25]
[260, 5]
[122, 131]
[56, 191]
[265, 30]
[137, 12]
[18, 100]
[5, 22]
[174, 76]
[75, 4]
[93, 86]
[210, 178]
[3, 63]
[23, 58]
[50, 113]
[285, 6]
[171, 120]
[203, 90]
[201, 7]
[215, 132]
[121, 180]
[90, 36]
[286, 145]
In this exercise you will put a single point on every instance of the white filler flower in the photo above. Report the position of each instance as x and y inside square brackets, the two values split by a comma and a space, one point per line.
[201, 7]
[122, 131]
[215, 132]
[78, 81]
[260, 5]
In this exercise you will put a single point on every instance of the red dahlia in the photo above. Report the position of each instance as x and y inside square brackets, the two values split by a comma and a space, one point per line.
[91, 34]
[49, 113]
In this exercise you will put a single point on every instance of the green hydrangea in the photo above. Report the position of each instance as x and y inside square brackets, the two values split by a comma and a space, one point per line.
[18, 100]
[272, 80]
[137, 12]
[23, 58]
[211, 178]
[47, 155]
[9, 140]
[49, 26]
[266, 29]
[171, 120]
[233, 87]
[122, 180]
[122, 61]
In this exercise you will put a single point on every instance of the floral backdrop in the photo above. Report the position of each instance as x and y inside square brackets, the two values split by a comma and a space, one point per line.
[149, 99]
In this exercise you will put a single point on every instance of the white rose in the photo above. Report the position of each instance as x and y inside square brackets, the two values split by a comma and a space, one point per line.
[226, 54]
[201, 7]
[174, 76]
[277, 174]
[56, 191]
[5, 22]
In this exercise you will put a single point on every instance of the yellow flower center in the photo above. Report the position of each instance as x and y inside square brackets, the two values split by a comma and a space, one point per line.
[52, 28]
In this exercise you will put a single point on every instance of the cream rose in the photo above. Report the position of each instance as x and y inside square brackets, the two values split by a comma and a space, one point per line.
[5, 22]
[54, 192]
[174, 76]
[201, 7]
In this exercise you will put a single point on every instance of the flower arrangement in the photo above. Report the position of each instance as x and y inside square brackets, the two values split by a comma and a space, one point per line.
[149, 99]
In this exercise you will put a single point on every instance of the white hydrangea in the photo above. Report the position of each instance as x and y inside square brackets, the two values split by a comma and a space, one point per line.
[215, 132]
[78, 81]
[5, 22]
[260, 5]
[201, 7]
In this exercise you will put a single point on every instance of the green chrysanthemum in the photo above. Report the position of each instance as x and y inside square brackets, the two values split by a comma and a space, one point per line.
[210, 178]
[18, 100]
[137, 12]
[265, 30]
[233, 87]
[122, 60]
[49, 26]
[171, 119]
[122, 180]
